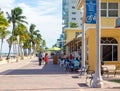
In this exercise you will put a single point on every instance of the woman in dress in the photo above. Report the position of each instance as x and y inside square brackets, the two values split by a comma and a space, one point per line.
[46, 58]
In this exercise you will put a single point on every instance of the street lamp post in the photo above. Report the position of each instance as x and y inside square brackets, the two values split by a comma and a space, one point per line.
[97, 80]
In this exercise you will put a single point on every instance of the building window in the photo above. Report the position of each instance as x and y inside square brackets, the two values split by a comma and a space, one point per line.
[73, 7]
[104, 9]
[109, 9]
[73, 12]
[113, 9]
[73, 18]
[109, 49]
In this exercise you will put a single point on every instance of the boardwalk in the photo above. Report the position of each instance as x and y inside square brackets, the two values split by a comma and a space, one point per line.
[29, 76]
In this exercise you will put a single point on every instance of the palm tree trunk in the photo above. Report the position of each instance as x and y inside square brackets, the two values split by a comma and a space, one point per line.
[21, 53]
[10, 45]
[29, 52]
[14, 49]
[33, 49]
[1, 49]
[24, 52]
[8, 56]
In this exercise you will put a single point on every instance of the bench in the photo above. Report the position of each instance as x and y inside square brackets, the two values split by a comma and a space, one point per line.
[108, 69]
[117, 70]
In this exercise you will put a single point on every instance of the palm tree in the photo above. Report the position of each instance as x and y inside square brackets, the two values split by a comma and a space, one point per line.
[3, 22]
[3, 33]
[43, 44]
[15, 17]
[37, 41]
[10, 41]
[32, 33]
[26, 46]
[20, 32]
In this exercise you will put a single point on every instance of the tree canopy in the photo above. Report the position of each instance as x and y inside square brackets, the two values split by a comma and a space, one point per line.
[73, 25]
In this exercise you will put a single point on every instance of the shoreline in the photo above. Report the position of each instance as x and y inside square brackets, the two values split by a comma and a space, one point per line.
[13, 60]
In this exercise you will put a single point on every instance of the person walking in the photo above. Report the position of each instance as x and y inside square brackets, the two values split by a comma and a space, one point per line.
[43, 55]
[46, 58]
[40, 57]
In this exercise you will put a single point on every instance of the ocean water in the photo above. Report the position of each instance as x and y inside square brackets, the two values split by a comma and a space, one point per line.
[11, 54]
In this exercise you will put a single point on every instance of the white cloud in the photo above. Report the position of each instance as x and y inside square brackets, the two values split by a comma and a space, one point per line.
[49, 7]
[6, 3]
[46, 15]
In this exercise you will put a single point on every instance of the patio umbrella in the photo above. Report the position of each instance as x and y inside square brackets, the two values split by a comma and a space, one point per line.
[54, 49]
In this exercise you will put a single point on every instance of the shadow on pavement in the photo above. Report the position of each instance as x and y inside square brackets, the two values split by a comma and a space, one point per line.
[41, 89]
[83, 85]
[34, 69]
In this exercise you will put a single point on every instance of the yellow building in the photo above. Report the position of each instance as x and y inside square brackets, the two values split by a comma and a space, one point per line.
[110, 35]
[71, 36]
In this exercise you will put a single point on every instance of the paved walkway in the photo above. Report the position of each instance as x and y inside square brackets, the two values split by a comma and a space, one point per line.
[29, 76]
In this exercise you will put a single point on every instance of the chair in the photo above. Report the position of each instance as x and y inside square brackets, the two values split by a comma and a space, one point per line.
[83, 70]
[61, 62]
[90, 75]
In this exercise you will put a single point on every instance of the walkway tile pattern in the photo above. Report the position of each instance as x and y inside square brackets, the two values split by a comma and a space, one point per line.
[29, 76]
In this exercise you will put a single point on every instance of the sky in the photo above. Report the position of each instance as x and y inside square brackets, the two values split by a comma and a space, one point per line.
[45, 14]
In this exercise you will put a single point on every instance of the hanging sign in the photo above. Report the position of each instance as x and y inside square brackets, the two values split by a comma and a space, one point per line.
[117, 22]
[91, 11]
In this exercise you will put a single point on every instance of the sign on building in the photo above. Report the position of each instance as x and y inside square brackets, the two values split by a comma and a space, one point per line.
[91, 11]
[117, 22]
